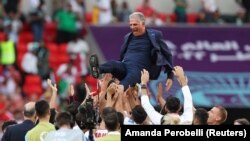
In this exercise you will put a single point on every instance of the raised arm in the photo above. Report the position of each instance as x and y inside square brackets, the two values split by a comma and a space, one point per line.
[160, 98]
[154, 116]
[52, 102]
[187, 116]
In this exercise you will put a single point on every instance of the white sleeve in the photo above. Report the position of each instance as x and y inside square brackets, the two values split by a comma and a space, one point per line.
[153, 115]
[187, 116]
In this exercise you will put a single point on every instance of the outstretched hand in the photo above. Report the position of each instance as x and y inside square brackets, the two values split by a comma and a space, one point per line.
[144, 76]
[180, 75]
[53, 87]
[169, 84]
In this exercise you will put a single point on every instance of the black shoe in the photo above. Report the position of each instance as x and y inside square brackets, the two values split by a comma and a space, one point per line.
[94, 66]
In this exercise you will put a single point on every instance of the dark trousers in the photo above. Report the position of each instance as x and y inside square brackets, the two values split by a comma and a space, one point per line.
[64, 36]
[37, 29]
[128, 74]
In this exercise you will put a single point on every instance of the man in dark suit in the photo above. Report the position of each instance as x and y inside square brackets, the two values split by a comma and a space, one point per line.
[17, 132]
[142, 49]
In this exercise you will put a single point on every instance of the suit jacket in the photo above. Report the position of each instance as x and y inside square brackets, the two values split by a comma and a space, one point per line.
[160, 54]
[17, 132]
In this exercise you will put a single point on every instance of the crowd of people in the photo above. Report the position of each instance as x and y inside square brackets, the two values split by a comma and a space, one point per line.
[209, 12]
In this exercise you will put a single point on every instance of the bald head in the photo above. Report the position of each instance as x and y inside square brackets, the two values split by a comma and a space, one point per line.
[29, 109]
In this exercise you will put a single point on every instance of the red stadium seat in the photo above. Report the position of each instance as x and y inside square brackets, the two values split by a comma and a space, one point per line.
[26, 37]
[32, 86]
[63, 58]
[192, 17]
[50, 26]
[32, 79]
[63, 48]
[22, 47]
[88, 17]
[52, 47]
[162, 16]
[1, 69]
[2, 36]
[50, 30]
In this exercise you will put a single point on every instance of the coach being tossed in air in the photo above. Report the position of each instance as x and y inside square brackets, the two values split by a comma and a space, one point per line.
[143, 49]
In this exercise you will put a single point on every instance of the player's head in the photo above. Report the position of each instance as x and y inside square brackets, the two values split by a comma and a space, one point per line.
[137, 23]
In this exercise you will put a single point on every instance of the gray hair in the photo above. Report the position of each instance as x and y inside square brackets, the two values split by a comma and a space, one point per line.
[137, 15]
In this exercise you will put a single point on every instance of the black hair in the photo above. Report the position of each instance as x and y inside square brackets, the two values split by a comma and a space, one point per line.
[42, 108]
[111, 121]
[202, 115]
[120, 118]
[139, 114]
[172, 104]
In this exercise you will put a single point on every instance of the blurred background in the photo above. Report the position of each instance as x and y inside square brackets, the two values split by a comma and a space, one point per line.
[42, 39]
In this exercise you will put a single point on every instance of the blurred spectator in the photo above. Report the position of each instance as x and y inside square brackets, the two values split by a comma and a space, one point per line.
[7, 51]
[240, 17]
[105, 11]
[42, 61]
[33, 4]
[79, 48]
[57, 6]
[156, 20]
[209, 8]
[218, 18]
[123, 15]
[180, 10]
[241, 121]
[78, 7]
[200, 116]
[114, 8]
[2, 12]
[246, 5]
[66, 21]
[18, 131]
[201, 17]
[4, 113]
[17, 102]
[30, 61]
[12, 26]
[68, 74]
[12, 6]
[147, 10]
[11, 81]
[37, 15]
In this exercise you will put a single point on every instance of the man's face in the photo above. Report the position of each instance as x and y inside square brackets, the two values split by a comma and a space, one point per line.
[213, 115]
[137, 27]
